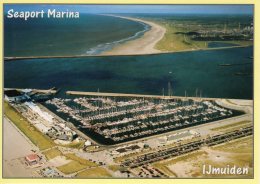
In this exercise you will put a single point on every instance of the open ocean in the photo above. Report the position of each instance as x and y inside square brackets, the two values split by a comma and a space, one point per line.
[90, 34]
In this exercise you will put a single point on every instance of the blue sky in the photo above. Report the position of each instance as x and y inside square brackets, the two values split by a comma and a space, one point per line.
[175, 9]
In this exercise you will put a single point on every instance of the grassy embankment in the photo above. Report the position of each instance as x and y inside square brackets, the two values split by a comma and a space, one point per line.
[37, 138]
[40, 140]
[43, 142]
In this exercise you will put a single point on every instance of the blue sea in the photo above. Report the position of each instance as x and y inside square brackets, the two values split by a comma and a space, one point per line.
[147, 74]
[89, 35]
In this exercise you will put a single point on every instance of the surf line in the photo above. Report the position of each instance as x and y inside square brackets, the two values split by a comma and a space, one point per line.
[108, 46]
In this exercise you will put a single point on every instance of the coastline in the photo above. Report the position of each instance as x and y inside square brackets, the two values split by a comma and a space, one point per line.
[8, 59]
[143, 45]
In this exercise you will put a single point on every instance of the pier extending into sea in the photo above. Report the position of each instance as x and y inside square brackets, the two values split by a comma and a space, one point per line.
[10, 58]
[46, 91]
[84, 93]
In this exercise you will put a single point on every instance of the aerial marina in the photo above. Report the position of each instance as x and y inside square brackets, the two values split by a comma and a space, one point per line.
[128, 93]
[125, 119]
[136, 131]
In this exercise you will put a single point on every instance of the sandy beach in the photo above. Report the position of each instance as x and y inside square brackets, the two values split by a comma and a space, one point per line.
[144, 45]
[15, 146]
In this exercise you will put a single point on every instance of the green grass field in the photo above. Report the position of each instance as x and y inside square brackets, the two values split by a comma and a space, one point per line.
[80, 160]
[52, 153]
[71, 167]
[180, 42]
[76, 145]
[76, 164]
[177, 42]
[114, 168]
[97, 172]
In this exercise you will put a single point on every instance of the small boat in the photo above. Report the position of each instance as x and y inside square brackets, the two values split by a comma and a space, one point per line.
[242, 74]
[225, 65]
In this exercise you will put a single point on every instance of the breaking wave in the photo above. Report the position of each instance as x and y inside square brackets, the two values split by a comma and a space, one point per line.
[108, 46]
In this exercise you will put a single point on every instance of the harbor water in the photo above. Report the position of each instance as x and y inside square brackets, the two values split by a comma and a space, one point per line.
[196, 72]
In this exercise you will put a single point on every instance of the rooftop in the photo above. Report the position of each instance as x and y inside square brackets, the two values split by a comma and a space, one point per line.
[32, 157]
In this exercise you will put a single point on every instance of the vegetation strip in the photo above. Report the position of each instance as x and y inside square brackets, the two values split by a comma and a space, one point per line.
[37, 138]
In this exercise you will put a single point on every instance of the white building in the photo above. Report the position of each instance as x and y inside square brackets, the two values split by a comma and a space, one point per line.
[46, 116]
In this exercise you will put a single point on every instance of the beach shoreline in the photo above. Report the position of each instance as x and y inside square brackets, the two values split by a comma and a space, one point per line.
[143, 45]
[146, 44]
